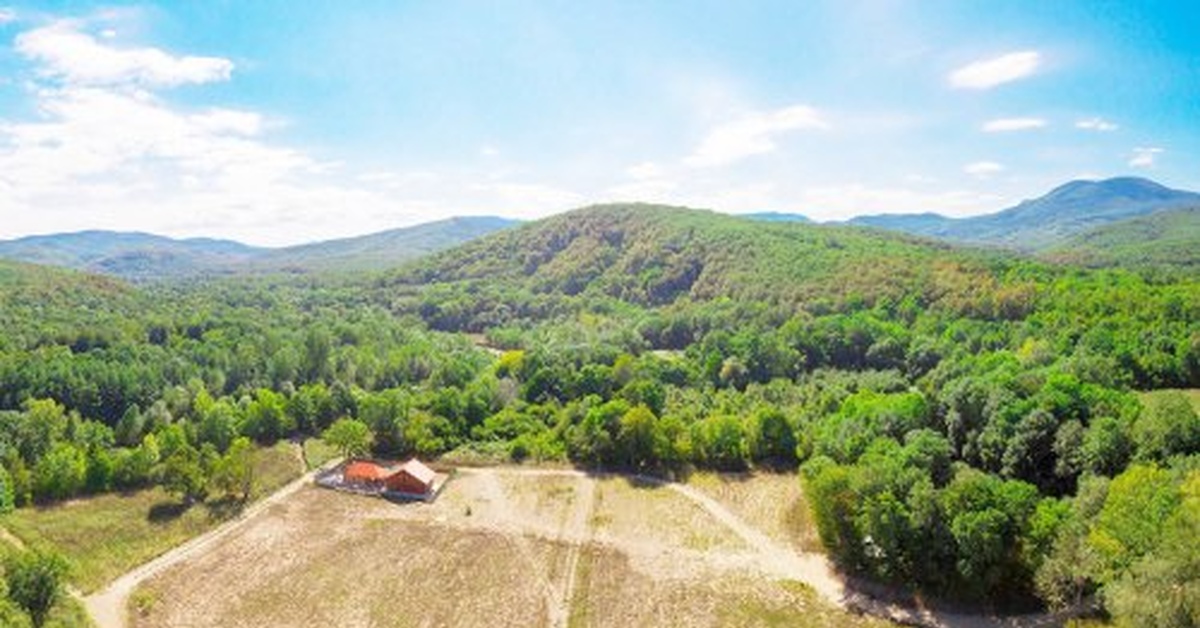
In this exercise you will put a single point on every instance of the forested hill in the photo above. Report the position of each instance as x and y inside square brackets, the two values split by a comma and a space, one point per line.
[130, 255]
[146, 257]
[1168, 239]
[381, 250]
[1043, 222]
[656, 255]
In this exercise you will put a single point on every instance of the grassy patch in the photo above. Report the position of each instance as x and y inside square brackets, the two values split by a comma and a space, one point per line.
[790, 605]
[273, 467]
[317, 452]
[106, 535]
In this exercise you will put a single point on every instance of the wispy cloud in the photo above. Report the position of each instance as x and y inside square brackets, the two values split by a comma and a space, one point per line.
[7, 15]
[983, 169]
[989, 73]
[751, 134]
[1096, 124]
[1002, 125]
[66, 53]
[1144, 157]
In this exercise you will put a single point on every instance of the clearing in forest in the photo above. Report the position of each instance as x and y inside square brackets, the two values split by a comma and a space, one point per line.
[499, 547]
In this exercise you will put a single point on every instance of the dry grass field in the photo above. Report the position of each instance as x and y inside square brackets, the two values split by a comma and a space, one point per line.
[497, 548]
[107, 535]
[772, 502]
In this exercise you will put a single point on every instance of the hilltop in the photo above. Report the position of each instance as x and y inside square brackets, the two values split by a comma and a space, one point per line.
[1043, 222]
[656, 255]
[146, 257]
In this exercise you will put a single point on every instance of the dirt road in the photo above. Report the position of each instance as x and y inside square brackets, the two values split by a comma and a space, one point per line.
[108, 607]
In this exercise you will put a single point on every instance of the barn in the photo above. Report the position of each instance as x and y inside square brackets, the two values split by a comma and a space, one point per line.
[413, 477]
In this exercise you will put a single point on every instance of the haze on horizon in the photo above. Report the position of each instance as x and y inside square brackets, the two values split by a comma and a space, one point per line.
[282, 122]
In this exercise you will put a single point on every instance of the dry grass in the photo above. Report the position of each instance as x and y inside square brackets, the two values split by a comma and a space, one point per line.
[629, 511]
[613, 592]
[308, 563]
[771, 502]
[317, 452]
[106, 535]
[495, 549]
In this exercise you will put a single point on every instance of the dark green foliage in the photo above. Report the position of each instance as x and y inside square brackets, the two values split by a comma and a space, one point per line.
[35, 581]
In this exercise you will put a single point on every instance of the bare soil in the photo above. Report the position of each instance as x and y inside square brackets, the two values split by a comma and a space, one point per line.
[498, 548]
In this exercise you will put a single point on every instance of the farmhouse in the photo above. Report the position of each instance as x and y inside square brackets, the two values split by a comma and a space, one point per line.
[409, 480]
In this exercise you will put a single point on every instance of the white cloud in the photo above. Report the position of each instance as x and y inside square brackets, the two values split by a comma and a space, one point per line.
[751, 134]
[983, 168]
[1096, 124]
[1001, 125]
[1144, 157]
[76, 58]
[7, 15]
[489, 151]
[989, 73]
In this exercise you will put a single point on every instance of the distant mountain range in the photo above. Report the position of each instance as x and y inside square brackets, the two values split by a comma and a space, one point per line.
[777, 217]
[142, 256]
[1044, 222]
[1069, 223]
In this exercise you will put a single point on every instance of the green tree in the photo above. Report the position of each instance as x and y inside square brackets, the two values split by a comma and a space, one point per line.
[1138, 504]
[183, 475]
[1162, 589]
[61, 473]
[235, 472]
[1167, 426]
[349, 436]
[7, 496]
[639, 441]
[35, 581]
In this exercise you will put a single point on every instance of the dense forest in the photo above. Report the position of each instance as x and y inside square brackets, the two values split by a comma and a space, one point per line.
[974, 424]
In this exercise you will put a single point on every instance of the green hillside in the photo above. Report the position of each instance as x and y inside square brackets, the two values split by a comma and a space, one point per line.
[1169, 239]
[652, 256]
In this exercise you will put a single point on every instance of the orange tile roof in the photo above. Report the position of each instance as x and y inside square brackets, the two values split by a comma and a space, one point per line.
[365, 470]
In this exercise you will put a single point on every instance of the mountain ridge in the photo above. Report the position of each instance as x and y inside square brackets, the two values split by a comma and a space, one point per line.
[1042, 222]
[141, 256]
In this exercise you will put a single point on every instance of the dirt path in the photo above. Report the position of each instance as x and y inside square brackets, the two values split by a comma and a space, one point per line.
[495, 494]
[815, 571]
[576, 533]
[108, 607]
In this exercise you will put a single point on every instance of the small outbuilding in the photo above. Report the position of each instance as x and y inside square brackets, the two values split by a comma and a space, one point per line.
[413, 477]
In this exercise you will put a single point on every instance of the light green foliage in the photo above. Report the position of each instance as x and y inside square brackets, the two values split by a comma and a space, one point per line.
[1139, 502]
[351, 437]
[1167, 426]
[60, 473]
[235, 473]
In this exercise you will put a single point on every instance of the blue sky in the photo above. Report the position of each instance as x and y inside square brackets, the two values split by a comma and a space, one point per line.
[280, 122]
